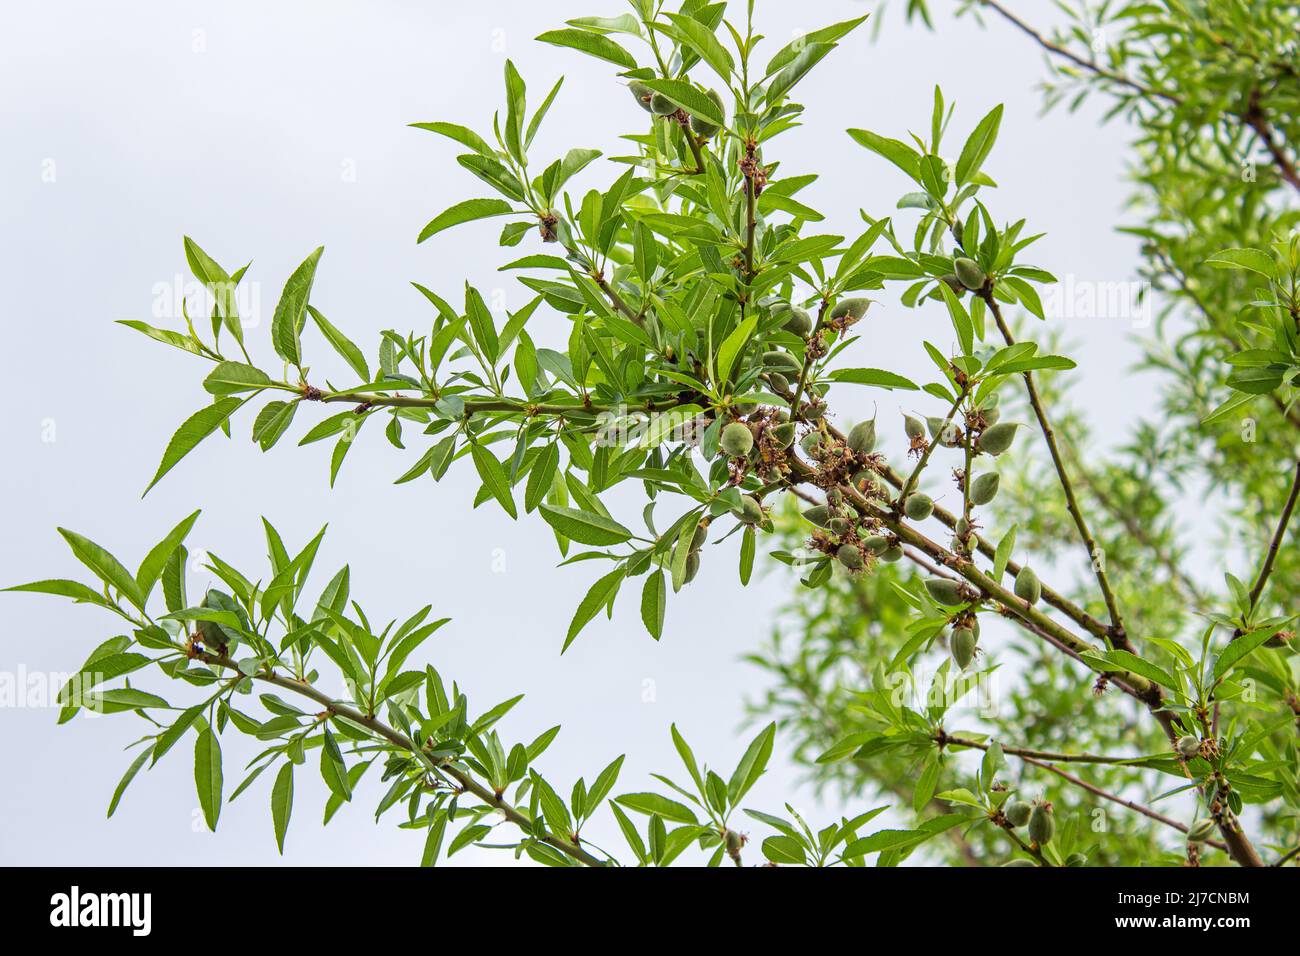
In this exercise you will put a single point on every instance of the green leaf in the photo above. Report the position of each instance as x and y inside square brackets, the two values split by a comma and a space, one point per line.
[690, 99]
[1252, 260]
[872, 376]
[282, 803]
[593, 44]
[272, 422]
[332, 767]
[732, 347]
[541, 475]
[978, 146]
[748, 545]
[127, 777]
[192, 431]
[601, 593]
[433, 842]
[151, 568]
[494, 477]
[466, 211]
[584, 527]
[460, 134]
[290, 311]
[342, 344]
[785, 850]
[207, 775]
[1236, 650]
[703, 41]
[653, 603]
[219, 283]
[1143, 668]
[106, 567]
[1003, 553]
[653, 803]
[174, 733]
[900, 154]
[229, 378]
[752, 764]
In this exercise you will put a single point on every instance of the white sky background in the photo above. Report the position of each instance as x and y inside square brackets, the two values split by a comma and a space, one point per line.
[243, 143]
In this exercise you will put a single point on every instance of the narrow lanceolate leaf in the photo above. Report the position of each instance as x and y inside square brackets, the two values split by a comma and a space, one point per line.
[541, 475]
[192, 431]
[168, 737]
[601, 593]
[466, 211]
[978, 146]
[342, 344]
[433, 841]
[752, 764]
[125, 782]
[462, 135]
[748, 545]
[219, 283]
[207, 775]
[282, 803]
[1238, 649]
[690, 99]
[229, 378]
[291, 310]
[494, 477]
[593, 44]
[1252, 260]
[151, 568]
[332, 767]
[106, 567]
[653, 602]
[272, 422]
[584, 527]
[872, 376]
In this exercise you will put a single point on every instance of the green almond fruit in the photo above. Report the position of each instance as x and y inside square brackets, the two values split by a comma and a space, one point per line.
[985, 488]
[913, 426]
[1017, 812]
[862, 437]
[810, 443]
[991, 415]
[1188, 746]
[751, 512]
[701, 536]
[692, 567]
[853, 309]
[918, 506]
[944, 590]
[1028, 587]
[704, 127]
[839, 526]
[969, 273]
[997, 438]
[736, 440]
[952, 282]
[784, 434]
[778, 381]
[1202, 831]
[850, 556]
[865, 482]
[876, 544]
[798, 321]
[1042, 825]
[962, 645]
[661, 105]
[778, 359]
[818, 515]
[642, 93]
[892, 554]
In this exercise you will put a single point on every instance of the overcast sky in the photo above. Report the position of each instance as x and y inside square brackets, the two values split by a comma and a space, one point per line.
[264, 130]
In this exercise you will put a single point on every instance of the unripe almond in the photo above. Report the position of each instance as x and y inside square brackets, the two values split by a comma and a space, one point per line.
[851, 557]
[962, 644]
[642, 93]
[797, 321]
[1188, 746]
[997, 438]
[839, 526]
[877, 544]
[969, 273]
[862, 437]
[1017, 812]
[704, 127]
[700, 537]
[952, 282]
[1202, 831]
[751, 512]
[810, 443]
[1028, 587]
[1042, 825]
[944, 590]
[778, 381]
[736, 440]
[818, 515]
[692, 566]
[918, 506]
[784, 434]
[985, 488]
[662, 105]
[865, 481]
[852, 309]
[913, 426]
[779, 359]
[892, 554]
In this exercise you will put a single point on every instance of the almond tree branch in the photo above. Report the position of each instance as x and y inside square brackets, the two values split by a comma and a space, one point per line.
[404, 742]
[1117, 635]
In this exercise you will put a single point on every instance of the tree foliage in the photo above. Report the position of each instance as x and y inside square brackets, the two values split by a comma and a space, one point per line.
[711, 326]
